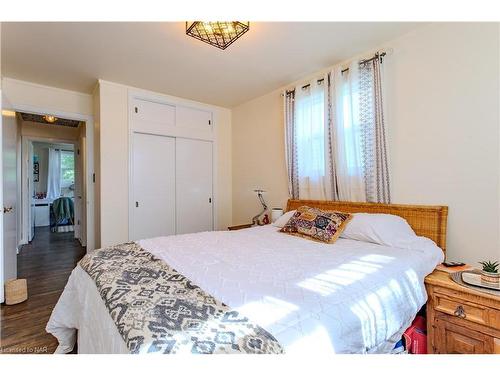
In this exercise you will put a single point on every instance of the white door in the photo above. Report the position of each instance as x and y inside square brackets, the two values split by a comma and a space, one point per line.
[31, 193]
[83, 189]
[9, 161]
[77, 192]
[153, 186]
[194, 199]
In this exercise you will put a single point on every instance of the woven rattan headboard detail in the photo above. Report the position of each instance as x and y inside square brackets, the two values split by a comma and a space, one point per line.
[428, 221]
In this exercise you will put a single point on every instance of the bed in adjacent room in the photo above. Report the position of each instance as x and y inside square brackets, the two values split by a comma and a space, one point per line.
[296, 295]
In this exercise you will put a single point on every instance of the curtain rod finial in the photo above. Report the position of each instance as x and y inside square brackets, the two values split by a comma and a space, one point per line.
[388, 51]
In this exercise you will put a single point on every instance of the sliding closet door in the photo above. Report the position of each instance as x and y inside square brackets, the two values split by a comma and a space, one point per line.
[194, 185]
[153, 184]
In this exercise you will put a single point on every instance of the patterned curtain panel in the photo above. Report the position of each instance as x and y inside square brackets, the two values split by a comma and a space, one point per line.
[291, 144]
[331, 136]
[373, 133]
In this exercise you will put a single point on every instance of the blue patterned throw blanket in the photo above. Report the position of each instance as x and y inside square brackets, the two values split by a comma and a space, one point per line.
[158, 310]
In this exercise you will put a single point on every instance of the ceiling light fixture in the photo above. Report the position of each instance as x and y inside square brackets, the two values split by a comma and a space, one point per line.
[7, 113]
[217, 34]
[50, 119]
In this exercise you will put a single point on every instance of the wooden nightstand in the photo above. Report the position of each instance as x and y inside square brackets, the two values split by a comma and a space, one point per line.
[238, 227]
[460, 320]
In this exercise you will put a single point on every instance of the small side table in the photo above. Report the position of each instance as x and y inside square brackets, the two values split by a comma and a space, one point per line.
[459, 319]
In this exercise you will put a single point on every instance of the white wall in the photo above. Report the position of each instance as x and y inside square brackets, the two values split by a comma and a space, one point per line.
[113, 174]
[111, 134]
[442, 87]
[442, 112]
[21, 94]
[258, 156]
[224, 177]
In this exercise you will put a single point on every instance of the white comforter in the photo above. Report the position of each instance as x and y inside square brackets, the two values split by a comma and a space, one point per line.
[349, 297]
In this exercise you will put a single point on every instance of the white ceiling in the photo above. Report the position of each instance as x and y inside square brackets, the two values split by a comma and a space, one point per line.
[160, 57]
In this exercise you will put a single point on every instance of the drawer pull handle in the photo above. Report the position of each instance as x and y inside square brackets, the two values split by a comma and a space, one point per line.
[460, 312]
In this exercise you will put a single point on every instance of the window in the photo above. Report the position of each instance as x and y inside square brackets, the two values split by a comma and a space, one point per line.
[335, 136]
[67, 169]
[316, 120]
[310, 140]
[351, 131]
[311, 133]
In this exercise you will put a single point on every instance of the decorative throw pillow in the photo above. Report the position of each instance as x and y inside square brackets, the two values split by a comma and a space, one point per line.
[318, 225]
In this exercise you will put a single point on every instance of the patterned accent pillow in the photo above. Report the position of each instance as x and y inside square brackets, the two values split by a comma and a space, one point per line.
[315, 224]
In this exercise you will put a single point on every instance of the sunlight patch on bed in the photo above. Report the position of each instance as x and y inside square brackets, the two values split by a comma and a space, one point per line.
[366, 316]
[396, 288]
[414, 288]
[377, 321]
[413, 277]
[267, 310]
[329, 281]
[377, 258]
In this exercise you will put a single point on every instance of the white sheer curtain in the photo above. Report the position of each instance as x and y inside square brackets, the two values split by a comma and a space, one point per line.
[346, 135]
[311, 139]
[335, 136]
[54, 174]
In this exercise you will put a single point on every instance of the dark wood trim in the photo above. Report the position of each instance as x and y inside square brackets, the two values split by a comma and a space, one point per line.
[238, 227]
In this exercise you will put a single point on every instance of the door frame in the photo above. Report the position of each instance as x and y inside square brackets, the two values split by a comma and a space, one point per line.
[89, 158]
[2, 297]
[27, 188]
[25, 194]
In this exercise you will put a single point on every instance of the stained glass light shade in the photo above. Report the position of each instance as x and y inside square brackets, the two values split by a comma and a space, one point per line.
[218, 34]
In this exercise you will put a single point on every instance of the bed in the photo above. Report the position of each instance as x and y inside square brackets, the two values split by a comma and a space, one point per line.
[346, 297]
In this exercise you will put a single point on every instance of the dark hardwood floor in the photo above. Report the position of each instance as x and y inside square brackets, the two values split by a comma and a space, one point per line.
[46, 263]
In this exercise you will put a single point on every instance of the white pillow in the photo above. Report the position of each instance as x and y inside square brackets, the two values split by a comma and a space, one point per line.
[283, 219]
[382, 229]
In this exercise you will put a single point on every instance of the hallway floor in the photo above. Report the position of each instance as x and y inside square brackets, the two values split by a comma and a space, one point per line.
[46, 263]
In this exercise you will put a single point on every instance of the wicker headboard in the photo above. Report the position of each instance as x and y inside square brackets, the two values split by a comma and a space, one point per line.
[428, 221]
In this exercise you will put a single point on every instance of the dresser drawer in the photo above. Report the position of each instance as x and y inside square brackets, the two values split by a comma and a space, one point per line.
[454, 339]
[467, 310]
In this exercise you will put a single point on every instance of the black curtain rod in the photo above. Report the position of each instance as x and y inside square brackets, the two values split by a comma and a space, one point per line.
[319, 81]
[377, 56]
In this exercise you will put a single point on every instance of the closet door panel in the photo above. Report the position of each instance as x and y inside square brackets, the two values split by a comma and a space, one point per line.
[194, 199]
[193, 118]
[151, 117]
[153, 171]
